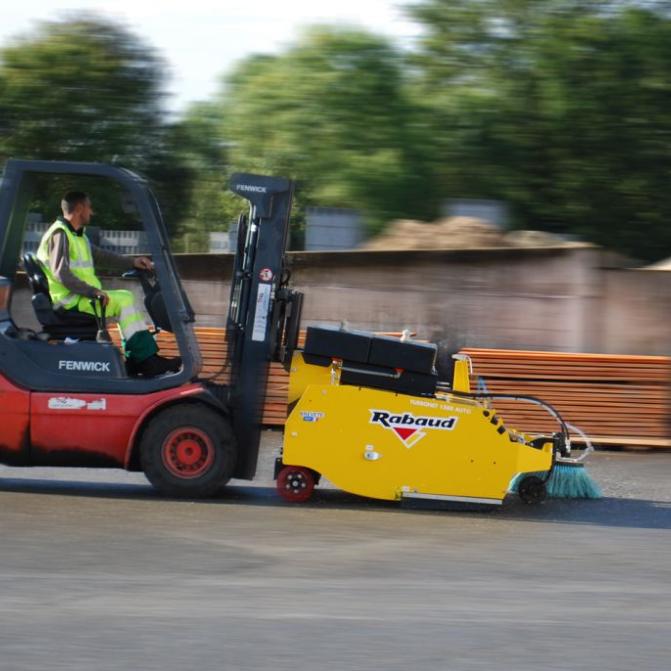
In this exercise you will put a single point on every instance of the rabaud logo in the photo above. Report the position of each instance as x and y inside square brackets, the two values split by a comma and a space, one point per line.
[409, 428]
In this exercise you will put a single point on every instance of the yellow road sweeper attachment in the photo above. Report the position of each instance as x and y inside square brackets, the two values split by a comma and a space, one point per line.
[369, 414]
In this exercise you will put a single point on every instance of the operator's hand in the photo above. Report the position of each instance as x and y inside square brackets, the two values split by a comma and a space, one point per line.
[143, 263]
[103, 298]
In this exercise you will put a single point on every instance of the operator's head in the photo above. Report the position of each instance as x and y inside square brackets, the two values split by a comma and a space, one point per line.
[76, 206]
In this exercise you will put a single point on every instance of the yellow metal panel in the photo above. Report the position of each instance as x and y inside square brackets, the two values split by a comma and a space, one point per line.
[381, 444]
[303, 374]
[462, 375]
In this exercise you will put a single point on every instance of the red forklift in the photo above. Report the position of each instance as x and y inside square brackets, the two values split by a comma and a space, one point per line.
[66, 398]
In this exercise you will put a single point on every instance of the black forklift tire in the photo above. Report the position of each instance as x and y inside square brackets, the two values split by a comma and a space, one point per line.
[188, 451]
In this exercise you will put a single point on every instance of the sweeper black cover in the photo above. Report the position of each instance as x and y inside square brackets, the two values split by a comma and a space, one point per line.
[365, 348]
[374, 361]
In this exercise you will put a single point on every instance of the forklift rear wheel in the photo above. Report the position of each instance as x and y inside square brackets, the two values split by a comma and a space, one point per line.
[295, 483]
[532, 490]
[188, 451]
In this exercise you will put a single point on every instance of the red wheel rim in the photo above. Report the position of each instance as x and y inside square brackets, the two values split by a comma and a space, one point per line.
[295, 483]
[187, 452]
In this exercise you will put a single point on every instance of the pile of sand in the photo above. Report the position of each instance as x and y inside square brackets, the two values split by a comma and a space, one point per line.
[455, 233]
[533, 239]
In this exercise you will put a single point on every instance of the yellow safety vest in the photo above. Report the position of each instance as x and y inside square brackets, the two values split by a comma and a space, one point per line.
[81, 265]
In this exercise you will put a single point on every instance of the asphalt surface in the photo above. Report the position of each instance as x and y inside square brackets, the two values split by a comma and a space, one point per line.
[98, 572]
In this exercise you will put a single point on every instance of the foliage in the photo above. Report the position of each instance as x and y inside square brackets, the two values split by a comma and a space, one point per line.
[332, 112]
[199, 148]
[85, 89]
[81, 89]
[561, 108]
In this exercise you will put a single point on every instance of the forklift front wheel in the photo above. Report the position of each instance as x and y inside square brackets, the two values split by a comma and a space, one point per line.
[295, 483]
[188, 451]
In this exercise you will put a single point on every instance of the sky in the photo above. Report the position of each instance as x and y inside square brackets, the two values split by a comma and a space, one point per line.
[202, 39]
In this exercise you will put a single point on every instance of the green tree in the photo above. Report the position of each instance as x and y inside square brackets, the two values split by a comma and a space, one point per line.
[79, 90]
[200, 149]
[333, 112]
[560, 107]
[86, 89]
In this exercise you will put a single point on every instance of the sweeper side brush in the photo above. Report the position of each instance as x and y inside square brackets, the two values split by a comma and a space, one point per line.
[369, 414]
[569, 478]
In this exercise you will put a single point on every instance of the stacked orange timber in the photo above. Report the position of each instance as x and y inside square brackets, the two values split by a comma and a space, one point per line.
[615, 399]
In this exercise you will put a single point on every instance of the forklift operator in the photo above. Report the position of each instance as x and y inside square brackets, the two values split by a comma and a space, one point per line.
[68, 260]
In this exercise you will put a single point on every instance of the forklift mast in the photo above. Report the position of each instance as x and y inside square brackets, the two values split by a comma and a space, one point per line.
[264, 314]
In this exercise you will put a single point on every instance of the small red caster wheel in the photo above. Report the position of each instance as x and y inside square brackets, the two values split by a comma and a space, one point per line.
[295, 483]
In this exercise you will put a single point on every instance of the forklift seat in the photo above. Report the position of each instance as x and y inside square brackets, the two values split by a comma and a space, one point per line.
[56, 322]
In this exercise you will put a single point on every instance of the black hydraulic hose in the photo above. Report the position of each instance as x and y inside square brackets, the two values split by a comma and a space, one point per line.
[552, 466]
[513, 397]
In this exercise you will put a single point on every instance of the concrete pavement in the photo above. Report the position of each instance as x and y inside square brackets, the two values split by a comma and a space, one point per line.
[98, 572]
